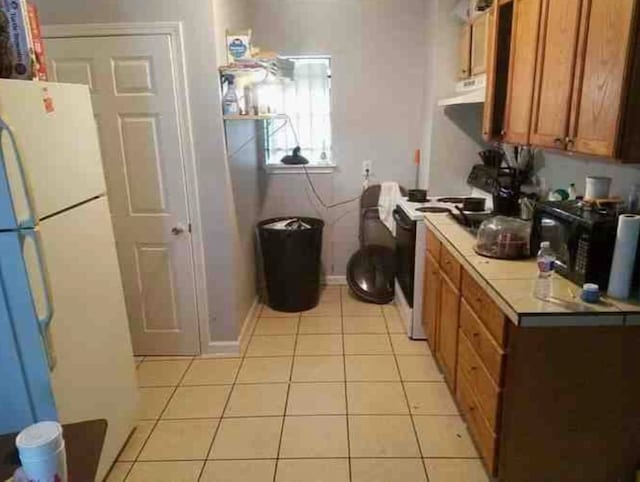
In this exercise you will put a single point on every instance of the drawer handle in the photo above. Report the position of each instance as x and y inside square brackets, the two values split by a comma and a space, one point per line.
[473, 368]
[475, 335]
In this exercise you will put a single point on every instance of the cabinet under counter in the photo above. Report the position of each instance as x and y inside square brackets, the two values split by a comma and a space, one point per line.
[549, 390]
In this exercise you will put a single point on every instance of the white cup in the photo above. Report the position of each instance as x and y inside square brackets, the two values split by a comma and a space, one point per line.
[42, 452]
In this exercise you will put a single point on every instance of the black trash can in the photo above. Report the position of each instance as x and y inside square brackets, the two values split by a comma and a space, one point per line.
[291, 253]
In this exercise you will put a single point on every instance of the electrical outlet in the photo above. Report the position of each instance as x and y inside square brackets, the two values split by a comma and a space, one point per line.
[367, 168]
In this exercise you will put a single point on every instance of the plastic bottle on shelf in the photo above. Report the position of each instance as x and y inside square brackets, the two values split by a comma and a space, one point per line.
[230, 105]
[546, 265]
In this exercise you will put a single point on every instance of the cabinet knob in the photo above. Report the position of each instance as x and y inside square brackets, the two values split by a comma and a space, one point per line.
[558, 142]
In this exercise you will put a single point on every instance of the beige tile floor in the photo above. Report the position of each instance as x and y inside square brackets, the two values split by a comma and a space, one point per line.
[337, 394]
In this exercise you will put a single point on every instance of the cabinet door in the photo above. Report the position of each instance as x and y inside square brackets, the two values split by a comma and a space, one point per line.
[492, 51]
[447, 352]
[602, 59]
[560, 24]
[480, 32]
[431, 301]
[464, 69]
[522, 67]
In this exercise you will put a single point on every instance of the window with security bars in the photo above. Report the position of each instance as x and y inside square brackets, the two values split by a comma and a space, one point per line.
[306, 100]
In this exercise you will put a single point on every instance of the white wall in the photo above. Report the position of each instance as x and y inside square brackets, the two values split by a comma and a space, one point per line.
[560, 171]
[378, 67]
[218, 220]
[451, 135]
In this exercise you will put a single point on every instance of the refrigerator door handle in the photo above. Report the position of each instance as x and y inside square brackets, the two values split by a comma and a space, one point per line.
[30, 220]
[44, 318]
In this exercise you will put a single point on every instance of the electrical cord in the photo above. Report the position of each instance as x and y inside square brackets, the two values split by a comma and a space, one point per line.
[313, 187]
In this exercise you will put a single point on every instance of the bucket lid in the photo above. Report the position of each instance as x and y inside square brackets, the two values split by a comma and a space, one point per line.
[371, 273]
[39, 439]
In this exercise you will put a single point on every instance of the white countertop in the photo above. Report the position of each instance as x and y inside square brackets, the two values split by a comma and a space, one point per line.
[511, 286]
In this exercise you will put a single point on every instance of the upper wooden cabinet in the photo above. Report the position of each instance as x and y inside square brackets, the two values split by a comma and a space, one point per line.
[573, 76]
[522, 68]
[464, 67]
[559, 28]
[480, 31]
[601, 88]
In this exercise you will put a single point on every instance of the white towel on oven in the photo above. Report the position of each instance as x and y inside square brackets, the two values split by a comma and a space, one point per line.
[390, 196]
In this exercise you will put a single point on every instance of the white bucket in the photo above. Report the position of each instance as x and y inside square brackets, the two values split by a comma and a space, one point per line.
[42, 452]
[597, 188]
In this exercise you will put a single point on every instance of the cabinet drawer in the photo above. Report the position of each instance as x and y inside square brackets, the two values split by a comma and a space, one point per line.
[433, 245]
[485, 438]
[450, 267]
[473, 370]
[488, 351]
[485, 308]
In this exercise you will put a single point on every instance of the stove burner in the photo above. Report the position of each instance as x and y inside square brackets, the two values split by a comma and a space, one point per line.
[433, 210]
[451, 200]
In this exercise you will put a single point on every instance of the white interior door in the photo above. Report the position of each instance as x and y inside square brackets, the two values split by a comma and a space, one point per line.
[133, 86]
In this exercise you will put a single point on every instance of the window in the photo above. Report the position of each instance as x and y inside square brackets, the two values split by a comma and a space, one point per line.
[307, 102]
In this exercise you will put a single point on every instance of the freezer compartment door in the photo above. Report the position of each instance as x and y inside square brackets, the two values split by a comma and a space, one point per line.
[56, 136]
[25, 389]
[94, 376]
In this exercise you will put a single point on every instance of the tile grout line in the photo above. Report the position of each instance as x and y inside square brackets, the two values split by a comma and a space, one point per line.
[286, 400]
[346, 388]
[157, 421]
[406, 397]
[224, 409]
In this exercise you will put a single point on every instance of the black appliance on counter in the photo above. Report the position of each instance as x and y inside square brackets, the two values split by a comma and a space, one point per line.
[583, 240]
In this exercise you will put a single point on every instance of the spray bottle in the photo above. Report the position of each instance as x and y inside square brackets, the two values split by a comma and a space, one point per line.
[230, 105]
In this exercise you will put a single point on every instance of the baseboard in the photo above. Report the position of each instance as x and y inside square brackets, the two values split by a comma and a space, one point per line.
[249, 323]
[236, 347]
[335, 280]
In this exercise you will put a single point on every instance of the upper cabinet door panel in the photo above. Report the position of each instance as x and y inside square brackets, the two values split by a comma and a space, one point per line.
[524, 44]
[555, 72]
[492, 44]
[480, 32]
[464, 69]
[600, 76]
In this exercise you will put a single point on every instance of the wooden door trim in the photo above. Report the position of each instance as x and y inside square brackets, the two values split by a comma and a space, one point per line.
[173, 30]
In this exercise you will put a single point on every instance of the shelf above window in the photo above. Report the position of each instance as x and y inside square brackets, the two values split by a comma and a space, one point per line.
[262, 117]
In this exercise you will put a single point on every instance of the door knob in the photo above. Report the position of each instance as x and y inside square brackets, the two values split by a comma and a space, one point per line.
[178, 230]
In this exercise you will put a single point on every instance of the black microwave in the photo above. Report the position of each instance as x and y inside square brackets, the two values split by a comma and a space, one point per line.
[583, 240]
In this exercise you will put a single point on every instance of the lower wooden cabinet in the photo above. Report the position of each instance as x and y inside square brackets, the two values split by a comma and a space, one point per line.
[552, 404]
[431, 301]
[447, 346]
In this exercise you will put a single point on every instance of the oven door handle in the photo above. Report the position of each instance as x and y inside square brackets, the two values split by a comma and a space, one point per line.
[400, 221]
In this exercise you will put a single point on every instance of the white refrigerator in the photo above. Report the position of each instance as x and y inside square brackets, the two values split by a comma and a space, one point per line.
[65, 348]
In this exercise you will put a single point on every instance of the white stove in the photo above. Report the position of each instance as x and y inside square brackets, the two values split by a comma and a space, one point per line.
[411, 239]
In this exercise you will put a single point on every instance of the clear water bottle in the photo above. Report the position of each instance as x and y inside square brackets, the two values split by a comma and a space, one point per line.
[546, 264]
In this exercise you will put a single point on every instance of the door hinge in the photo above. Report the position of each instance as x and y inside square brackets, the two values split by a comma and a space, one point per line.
[189, 227]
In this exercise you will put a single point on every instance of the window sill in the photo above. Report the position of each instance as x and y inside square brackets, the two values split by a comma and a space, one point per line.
[327, 168]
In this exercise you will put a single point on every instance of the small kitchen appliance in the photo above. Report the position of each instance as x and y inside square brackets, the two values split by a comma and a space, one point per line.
[583, 239]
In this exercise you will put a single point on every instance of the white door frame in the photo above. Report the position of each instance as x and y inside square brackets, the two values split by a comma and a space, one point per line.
[174, 31]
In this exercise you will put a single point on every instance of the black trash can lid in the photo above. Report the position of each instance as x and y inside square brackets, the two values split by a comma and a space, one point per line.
[371, 274]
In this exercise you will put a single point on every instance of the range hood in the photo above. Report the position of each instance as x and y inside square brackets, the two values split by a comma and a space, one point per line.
[469, 91]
